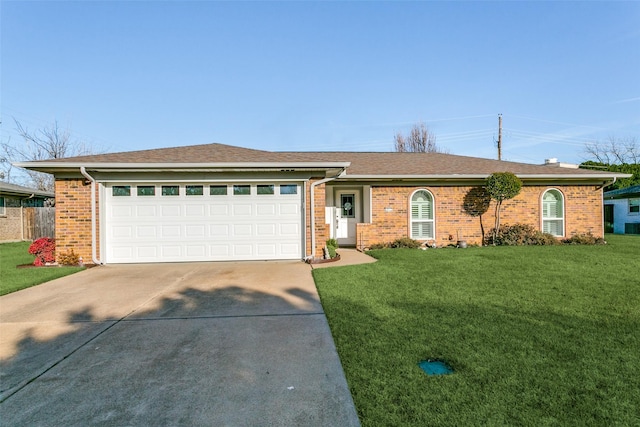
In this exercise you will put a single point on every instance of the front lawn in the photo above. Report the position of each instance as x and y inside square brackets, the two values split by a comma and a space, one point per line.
[536, 335]
[13, 279]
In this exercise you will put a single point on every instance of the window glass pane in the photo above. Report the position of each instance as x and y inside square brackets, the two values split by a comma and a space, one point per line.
[170, 190]
[289, 189]
[2, 206]
[347, 208]
[146, 190]
[121, 190]
[194, 190]
[241, 190]
[421, 206]
[422, 230]
[218, 190]
[634, 205]
[266, 189]
[553, 227]
[552, 205]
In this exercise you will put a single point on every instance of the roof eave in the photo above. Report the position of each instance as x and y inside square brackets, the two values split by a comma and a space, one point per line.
[54, 167]
[590, 177]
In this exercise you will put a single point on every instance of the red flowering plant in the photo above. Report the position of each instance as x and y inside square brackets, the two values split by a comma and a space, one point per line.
[44, 250]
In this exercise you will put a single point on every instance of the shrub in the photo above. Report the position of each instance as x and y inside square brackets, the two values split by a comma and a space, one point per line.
[403, 242]
[68, 258]
[584, 239]
[520, 235]
[332, 245]
[380, 246]
[44, 250]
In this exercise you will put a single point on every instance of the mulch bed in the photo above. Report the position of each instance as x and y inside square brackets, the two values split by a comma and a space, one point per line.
[323, 261]
[53, 266]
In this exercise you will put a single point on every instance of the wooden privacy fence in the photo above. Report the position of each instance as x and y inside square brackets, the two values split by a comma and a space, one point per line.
[39, 222]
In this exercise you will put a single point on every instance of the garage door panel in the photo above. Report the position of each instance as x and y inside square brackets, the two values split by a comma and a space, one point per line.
[146, 231]
[121, 211]
[266, 250]
[122, 231]
[201, 227]
[243, 250]
[147, 252]
[242, 230]
[241, 210]
[146, 211]
[170, 231]
[220, 251]
[122, 253]
[171, 252]
[290, 249]
[219, 230]
[195, 210]
[170, 210]
[266, 209]
[195, 231]
[196, 251]
[291, 229]
[219, 210]
[289, 209]
[266, 230]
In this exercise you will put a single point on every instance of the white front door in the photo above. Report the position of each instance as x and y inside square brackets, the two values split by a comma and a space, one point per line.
[348, 215]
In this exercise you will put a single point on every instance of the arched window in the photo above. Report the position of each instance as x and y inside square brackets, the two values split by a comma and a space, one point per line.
[553, 212]
[422, 215]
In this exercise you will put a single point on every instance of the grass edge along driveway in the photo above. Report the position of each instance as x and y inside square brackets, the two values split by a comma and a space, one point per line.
[13, 279]
[536, 335]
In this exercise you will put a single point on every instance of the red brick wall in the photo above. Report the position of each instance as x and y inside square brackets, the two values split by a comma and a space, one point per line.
[73, 218]
[321, 229]
[583, 213]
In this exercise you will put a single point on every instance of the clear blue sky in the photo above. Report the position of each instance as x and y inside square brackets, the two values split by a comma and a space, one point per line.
[325, 75]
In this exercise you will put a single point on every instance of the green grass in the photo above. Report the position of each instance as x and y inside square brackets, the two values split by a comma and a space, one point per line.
[537, 335]
[14, 279]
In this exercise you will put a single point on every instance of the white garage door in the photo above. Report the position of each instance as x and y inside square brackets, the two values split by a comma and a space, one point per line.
[202, 222]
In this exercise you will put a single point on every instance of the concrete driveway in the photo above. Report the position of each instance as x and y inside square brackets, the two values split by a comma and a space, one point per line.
[211, 344]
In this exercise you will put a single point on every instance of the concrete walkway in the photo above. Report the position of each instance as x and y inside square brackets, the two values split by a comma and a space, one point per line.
[215, 344]
[348, 256]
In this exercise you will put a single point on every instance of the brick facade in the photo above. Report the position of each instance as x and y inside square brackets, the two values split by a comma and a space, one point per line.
[321, 229]
[11, 224]
[457, 215]
[73, 218]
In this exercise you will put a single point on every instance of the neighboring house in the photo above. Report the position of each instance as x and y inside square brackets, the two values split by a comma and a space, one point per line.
[219, 202]
[622, 210]
[13, 200]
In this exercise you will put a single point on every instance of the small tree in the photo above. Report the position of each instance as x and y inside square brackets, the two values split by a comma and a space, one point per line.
[49, 142]
[502, 186]
[420, 140]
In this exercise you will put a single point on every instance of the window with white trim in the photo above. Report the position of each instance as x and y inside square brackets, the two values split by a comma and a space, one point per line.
[422, 227]
[553, 212]
[634, 206]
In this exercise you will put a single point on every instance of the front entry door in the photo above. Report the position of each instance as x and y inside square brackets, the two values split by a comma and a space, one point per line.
[347, 217]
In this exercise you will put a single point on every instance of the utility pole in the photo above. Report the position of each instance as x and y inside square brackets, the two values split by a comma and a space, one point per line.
[499, 136]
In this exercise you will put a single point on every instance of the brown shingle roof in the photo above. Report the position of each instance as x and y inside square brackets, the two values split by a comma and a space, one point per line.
[362, 163]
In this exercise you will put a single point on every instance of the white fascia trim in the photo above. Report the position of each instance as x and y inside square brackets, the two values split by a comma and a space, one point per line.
[203, 166]
[481, 176]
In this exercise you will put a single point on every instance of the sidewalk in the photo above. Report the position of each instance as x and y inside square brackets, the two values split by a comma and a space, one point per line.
[348, 256]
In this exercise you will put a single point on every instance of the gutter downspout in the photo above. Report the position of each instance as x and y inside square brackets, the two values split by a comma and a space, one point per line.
[313, 207]
[94, 254]
[605, 184]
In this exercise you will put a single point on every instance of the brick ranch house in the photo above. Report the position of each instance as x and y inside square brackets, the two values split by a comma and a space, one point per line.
[218, 202]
